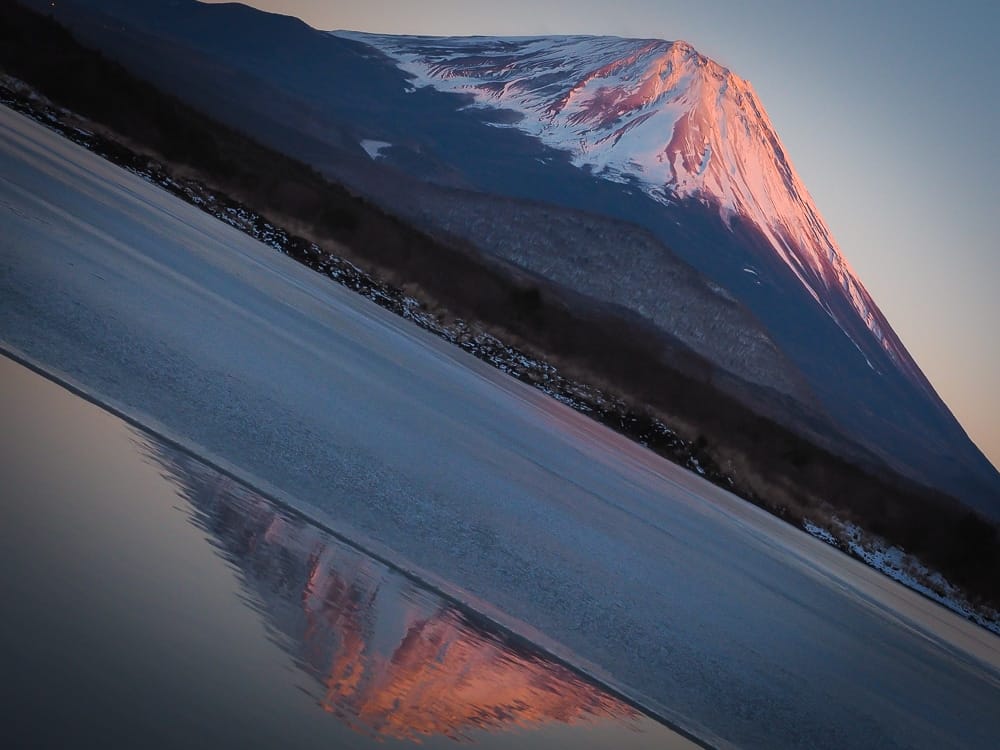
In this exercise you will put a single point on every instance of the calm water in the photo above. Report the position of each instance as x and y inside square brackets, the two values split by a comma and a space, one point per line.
[151, 602]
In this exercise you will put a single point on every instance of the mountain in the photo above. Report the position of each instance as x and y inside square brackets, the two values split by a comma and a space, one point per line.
[451, 133]
[675, 123]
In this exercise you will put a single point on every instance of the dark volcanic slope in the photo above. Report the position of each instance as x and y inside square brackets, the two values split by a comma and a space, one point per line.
[611, 262]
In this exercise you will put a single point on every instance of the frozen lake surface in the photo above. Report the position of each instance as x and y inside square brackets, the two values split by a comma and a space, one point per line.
[706, 610]
[153, 602]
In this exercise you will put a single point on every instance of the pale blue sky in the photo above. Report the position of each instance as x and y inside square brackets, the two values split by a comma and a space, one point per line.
[889, 111]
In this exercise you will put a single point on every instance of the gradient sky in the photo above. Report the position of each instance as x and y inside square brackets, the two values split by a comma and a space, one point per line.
[888, 109]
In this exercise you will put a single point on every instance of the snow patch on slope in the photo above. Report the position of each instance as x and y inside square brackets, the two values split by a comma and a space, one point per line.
[374, 149]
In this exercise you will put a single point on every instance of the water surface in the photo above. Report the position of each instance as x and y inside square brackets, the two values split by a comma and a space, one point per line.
[152, 601]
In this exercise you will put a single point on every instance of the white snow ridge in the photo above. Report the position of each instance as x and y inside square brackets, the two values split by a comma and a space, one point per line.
[661, 115]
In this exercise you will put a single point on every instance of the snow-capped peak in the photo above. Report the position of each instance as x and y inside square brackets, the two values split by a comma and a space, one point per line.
[663, 116]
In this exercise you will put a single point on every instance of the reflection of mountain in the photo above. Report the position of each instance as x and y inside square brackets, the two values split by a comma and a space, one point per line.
[393, 660]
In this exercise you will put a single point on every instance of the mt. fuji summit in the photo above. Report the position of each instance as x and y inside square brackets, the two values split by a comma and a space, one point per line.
[662, 116]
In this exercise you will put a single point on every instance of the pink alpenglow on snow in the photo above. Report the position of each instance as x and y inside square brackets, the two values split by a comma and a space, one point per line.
[662, 116]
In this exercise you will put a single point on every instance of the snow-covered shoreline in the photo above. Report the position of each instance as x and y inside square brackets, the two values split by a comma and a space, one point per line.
[903, 568]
